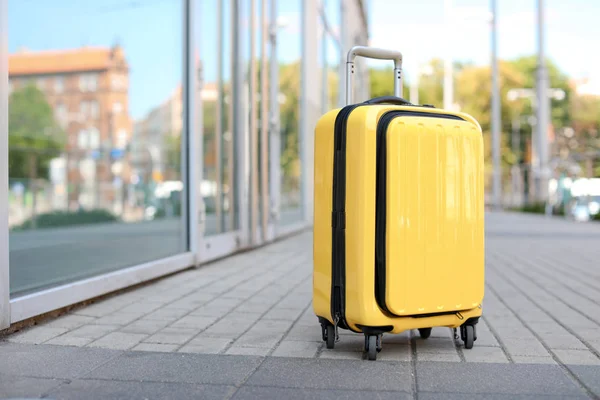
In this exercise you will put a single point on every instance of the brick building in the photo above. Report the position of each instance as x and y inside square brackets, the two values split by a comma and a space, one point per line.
[88, 90]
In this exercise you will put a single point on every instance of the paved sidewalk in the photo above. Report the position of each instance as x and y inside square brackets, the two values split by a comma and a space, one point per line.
[244, 328]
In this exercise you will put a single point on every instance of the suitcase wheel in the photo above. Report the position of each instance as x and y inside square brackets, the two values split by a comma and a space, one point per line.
[425, 333]
[372, 346]
[329, 336]
[468, 335]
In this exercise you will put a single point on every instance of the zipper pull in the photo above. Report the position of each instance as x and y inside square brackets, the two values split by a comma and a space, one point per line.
[336, 320]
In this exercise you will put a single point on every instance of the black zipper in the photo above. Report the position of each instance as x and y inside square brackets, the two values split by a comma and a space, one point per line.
[338, 219]
[381, 192]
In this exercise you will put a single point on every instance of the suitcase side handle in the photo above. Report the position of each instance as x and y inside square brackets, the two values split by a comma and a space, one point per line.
[378, 54]
[389, 100]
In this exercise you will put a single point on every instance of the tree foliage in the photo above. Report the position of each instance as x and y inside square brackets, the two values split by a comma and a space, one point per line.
[289, 87]
[472, 94]
[34, 137]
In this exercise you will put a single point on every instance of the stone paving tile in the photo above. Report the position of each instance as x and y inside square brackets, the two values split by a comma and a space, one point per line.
[166, 313]
[171, 335]
[141, 307]
[349, 347]
[92, 331]
[36, 335]
[297, 349]
[304, 333]
[283, 314]
[589, 376]
[519, 379]
[444, 357]
[12, 387]
[395, 352]
[205, 345]
[69, 340]
[176, 368]
[332, 374]
[102, 389]
[118, 340]
[119, 318]
[248, 351]
[147, 326]
[577, 357]
[435, 345]
[44, 361]
[156, 347]
[485, 354]
[275, 393]
[532, 360]
[69, 321]
[194, 322]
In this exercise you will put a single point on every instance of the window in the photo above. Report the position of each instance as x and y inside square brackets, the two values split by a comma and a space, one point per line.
[82, 139]
[10, 87]
[88, 82]
[87, 257]
[41, 83]
[117, 108]
[59, 84]
[94, 109]
[94, 138]
[118, 82]
[84, 108]
[61, 114]
[121, 139]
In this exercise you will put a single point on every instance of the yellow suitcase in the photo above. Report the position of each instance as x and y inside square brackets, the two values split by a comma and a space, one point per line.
[398, 217]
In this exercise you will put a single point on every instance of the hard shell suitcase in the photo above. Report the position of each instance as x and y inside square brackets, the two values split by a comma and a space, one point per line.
[398, 217]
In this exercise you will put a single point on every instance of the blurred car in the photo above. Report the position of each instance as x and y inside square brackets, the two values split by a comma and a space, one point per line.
[585, 208]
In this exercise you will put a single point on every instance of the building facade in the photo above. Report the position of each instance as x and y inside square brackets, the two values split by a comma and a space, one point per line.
[182, 144]
[87, 90]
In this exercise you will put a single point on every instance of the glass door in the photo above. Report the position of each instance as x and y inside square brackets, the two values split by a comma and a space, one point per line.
[219, 210]
[261, 116]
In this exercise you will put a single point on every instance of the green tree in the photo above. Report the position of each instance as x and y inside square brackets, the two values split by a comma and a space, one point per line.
[34, 137]
[289, 86]
[473, 88]
[381, 82]
[527, 66]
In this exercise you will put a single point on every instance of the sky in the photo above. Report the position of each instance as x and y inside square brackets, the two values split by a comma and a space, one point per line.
[416, 28]
[150, 31]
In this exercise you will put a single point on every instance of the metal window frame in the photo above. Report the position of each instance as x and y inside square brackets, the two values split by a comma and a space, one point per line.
[188, 143]
[4, 246]
[38, 303]
[241, 129]
[274, 126]
[218, 245]
[309, 100]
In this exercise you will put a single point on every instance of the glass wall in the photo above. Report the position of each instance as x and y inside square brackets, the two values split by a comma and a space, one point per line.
[95, 130]
[289, 55]
[329, 58]
[214, 32]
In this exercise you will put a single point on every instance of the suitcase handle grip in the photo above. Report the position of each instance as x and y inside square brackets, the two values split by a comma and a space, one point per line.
[389, 100]
[378, 54]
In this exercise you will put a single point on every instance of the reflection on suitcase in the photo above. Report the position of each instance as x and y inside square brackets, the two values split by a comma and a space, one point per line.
[398, 217]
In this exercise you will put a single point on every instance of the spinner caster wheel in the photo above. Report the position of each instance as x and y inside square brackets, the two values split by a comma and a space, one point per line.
[425, 333]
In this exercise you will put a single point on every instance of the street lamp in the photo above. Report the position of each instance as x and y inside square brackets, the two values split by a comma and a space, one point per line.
[543, 110]
[426, 70]
[530, 94]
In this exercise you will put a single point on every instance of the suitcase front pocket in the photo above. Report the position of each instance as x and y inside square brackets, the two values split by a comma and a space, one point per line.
[429, 245]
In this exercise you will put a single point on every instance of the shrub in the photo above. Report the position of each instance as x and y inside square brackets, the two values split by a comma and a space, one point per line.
[58, 219]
